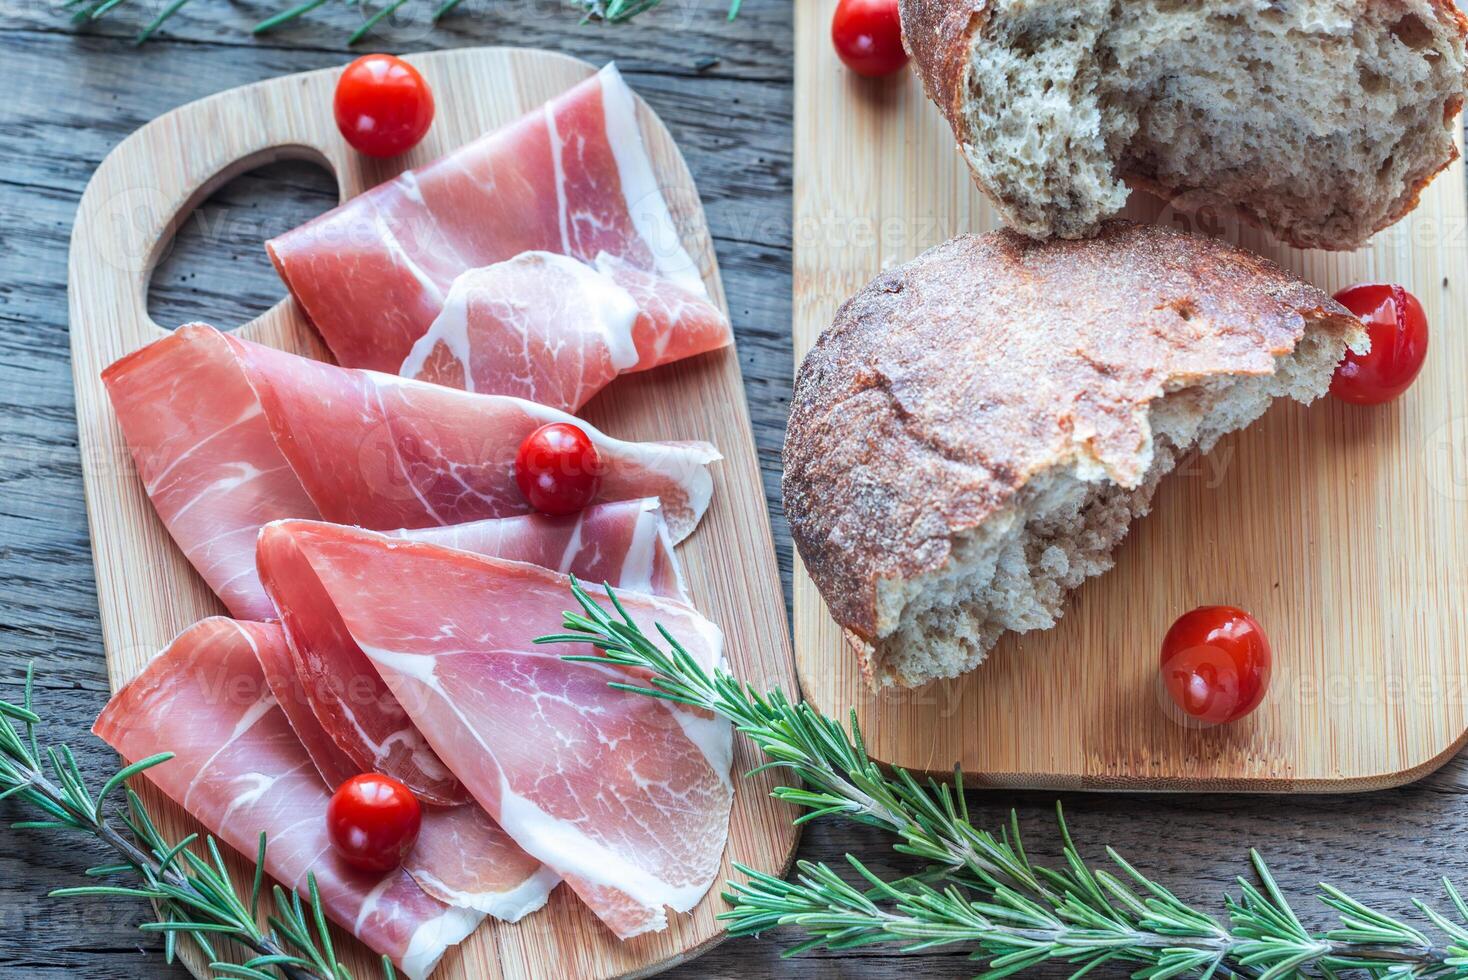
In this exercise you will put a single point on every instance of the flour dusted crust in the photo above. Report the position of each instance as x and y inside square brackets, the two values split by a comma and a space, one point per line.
[1320, 120]
[938, 35]
[947, 387]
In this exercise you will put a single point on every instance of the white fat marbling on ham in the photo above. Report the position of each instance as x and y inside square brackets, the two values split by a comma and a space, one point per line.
[228, 435]
[644, 199]
[626, 797]
[648, 537]
[450, 333]
[558, 173]
[463, 839]
[243, 771]
[433, 293]
[464, 859]
[556, 330]
[624, 544]
[431, 939]
[408, 181]
[539, 326]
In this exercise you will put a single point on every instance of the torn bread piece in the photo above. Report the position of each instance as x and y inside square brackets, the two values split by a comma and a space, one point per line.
[1320, 120]
[974, 433]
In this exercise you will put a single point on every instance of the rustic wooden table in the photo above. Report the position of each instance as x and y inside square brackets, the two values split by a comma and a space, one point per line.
[725, 91]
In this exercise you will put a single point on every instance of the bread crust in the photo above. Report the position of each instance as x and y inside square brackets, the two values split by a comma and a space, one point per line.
[938, 35]
[946, 384]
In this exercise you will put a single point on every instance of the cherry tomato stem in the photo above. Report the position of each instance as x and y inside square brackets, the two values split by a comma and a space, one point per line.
[373, 821]
[383, 106]
[558, 469]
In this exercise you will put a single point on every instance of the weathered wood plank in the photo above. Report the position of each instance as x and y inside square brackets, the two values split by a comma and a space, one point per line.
[689, 38]
[80, 95]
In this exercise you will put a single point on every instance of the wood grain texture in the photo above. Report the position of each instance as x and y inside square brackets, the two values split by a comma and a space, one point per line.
[147, 591]
[81, 93]
[1343, 529]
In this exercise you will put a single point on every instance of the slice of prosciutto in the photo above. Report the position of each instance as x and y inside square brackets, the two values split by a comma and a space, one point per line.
[572, 177]
[555, 330]
[228, 435]
[622, 544]
[240, 769]
[462, 857]
[627, 797]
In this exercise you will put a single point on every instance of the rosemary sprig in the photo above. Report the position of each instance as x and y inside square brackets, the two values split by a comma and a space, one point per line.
[620, 11]
[194, 895]
[981, 889]
[605, 11]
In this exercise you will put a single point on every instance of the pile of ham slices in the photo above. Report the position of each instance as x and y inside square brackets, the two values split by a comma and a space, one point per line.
[385, 576]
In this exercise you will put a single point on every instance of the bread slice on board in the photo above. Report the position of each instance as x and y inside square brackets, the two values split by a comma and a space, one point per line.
[976, 430]
[1319, 120]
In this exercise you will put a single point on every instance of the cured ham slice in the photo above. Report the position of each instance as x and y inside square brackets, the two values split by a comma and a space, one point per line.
[207, 457]
[556, 331]
[228, 435]
[462, 857]
[627, 797]
[239, 768]
[673, 321]
[385, 452]
[348, 703]
[539, 326]
[279, 671]
[572, 177]
[622, 544]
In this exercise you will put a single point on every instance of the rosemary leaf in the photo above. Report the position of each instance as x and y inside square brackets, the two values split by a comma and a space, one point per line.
[373, 21]
[285, 16]
[157, 21]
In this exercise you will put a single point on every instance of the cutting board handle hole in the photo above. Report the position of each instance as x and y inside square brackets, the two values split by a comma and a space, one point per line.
[213, 266]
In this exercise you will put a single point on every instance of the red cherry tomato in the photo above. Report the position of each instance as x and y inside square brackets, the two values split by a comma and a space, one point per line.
[373, 821]
[868, 36]
[558, 469]
[1398, 330]
[1216, 663]
[383, 106]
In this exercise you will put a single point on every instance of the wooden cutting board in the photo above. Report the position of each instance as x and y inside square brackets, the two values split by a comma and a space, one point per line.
[148, 592]
[1343, 529]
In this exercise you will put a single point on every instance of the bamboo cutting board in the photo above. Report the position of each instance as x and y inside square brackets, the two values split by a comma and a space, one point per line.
[148, 592]
[1343, 529]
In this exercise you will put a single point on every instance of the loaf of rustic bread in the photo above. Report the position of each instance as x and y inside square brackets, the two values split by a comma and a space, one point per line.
[973, 434]
[1320, 120]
